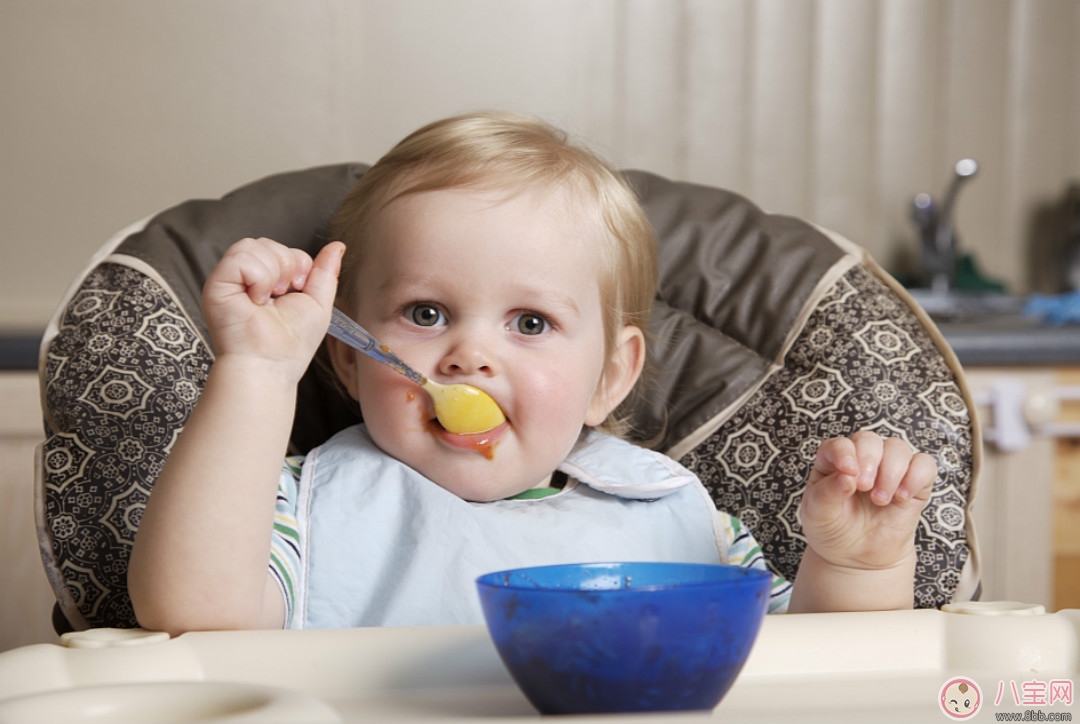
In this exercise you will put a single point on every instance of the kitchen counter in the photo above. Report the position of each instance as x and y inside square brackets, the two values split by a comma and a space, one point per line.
[19, 351]
[1017, 342]
[990, 329]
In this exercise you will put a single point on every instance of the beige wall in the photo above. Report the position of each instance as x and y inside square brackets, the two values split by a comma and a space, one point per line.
[838, 110]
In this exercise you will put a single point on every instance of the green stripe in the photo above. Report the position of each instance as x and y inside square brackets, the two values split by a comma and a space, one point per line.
[534, 494]
[282, 569]
[287, 530]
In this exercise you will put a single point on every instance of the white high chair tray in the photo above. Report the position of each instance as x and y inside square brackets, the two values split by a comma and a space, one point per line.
[864, 667]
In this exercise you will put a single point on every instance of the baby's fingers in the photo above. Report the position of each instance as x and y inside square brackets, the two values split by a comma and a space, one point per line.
[293, 268]
[918, 482]
[288, 267]
[871, 450]
[832, 479]
[902, 474]
[263, 268]
[835, 455]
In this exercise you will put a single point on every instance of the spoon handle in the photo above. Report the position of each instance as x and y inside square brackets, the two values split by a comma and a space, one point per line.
[352, 334]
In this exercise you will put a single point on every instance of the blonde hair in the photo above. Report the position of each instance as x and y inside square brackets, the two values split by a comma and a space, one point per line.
[507, 151]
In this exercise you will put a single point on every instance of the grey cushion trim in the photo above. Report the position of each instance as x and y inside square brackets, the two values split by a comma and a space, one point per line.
[731, 265]
[734, 283]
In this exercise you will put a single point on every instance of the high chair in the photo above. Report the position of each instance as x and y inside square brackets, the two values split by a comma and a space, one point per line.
[769, 335]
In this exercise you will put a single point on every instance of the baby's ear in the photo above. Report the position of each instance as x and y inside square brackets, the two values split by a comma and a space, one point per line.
[343, 359]
[620, 375]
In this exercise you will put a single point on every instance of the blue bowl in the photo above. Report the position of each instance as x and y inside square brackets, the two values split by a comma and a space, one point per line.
[622, 637]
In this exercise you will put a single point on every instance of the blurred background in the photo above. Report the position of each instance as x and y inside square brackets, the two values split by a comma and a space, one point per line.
[834, 110]
[839, 111]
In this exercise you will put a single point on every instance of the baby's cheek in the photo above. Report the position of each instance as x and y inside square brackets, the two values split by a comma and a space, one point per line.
[552, 396]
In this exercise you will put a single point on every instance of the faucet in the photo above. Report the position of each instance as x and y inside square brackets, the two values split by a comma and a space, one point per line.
[937, 231]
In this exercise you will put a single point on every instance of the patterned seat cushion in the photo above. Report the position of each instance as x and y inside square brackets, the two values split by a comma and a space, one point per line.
[122, 375]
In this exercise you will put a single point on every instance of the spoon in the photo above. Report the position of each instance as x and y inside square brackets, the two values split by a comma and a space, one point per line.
[461, 409]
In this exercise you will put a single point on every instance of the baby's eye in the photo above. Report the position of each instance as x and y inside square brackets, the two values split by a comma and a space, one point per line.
[426, 315]
[531, 324]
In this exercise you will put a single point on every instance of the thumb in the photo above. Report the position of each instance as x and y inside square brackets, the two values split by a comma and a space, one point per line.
[321, 283]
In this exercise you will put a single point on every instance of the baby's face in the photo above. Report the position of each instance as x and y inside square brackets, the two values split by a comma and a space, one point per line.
[502, 293]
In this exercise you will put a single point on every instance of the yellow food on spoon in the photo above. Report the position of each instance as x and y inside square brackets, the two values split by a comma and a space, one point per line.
[463, 409]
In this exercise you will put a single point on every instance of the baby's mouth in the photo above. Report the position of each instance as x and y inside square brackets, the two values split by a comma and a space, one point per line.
[482, 442]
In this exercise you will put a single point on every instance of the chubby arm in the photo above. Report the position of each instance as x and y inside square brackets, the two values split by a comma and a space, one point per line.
[859, 512]
[200, 559]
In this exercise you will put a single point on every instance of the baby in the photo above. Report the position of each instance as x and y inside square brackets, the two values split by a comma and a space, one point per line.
[487, 250]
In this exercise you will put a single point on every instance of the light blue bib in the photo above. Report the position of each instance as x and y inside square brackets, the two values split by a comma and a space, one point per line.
[381, 545]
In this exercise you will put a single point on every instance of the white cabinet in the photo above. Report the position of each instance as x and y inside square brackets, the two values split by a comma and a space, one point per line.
[1014, 498]
[26, 600]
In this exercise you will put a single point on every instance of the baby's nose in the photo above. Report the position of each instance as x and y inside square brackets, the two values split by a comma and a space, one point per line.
[468, 355]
